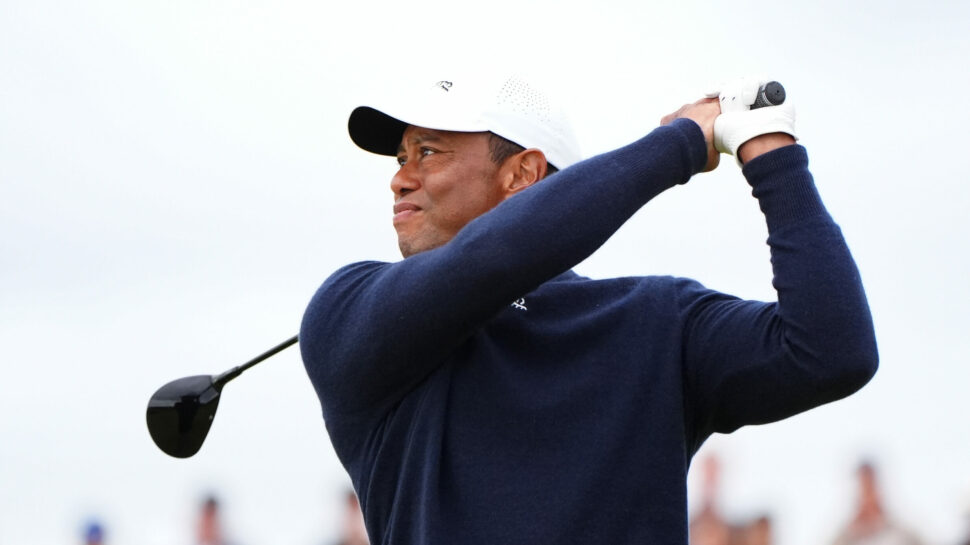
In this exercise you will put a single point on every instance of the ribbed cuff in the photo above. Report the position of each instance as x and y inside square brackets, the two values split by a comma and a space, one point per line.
[784, 187]
[696, 146]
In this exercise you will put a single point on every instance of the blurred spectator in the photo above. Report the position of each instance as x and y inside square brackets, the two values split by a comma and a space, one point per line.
[209, 528]
[93, 533]
[353, 532]
[707, 527]
[871, 525]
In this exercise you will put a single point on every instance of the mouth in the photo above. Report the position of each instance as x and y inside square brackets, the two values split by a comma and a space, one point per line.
[404, 210]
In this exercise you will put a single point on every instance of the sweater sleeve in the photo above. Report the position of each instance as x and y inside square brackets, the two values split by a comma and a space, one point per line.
[375, 330]
[749, 362]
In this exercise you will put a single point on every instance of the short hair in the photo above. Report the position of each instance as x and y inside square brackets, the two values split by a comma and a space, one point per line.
[500, 149]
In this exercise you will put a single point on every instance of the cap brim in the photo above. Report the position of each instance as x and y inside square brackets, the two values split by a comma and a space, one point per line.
[375, 131]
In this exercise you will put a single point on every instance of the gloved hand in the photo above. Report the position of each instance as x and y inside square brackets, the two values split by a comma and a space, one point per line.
[738, 123]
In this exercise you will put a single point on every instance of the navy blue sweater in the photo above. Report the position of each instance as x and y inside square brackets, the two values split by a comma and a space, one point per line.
[482, 393]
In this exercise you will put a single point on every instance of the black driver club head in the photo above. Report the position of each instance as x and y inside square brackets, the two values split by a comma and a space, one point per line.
[180, 414]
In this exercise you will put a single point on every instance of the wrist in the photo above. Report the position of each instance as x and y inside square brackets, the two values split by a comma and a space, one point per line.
[762, 144]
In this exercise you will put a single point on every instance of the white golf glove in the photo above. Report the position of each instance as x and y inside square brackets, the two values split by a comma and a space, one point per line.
[738, 123]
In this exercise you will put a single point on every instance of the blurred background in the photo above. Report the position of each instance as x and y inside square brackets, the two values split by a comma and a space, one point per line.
[176, 181]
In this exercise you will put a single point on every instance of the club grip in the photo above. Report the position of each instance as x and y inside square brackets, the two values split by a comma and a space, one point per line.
[770, 94]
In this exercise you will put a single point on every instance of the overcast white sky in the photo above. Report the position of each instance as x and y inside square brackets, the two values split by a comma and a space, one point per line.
[176, 181]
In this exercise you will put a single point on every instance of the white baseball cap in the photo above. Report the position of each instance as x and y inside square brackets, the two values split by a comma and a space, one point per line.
[507, 106]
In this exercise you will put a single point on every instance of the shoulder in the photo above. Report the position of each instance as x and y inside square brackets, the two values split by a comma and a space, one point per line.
[683, 299]
[354, 272]
[337, 293]
[677, 289]
[348, 278]
[652, 291]
[659, 284]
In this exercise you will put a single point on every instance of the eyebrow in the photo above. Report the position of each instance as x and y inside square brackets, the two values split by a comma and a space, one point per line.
[420, 138]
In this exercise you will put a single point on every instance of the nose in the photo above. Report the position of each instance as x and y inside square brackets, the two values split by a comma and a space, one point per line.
[405, 180]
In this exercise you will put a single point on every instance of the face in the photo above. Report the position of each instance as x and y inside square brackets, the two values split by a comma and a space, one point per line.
[445, 180]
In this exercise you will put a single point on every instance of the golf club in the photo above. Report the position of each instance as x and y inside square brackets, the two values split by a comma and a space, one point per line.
[180, 413]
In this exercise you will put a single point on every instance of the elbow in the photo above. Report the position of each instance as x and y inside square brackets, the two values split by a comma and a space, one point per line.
[856, 350]
[851, 368]
[847, 353]
[859, 371]
[861, 357]
[838, 362]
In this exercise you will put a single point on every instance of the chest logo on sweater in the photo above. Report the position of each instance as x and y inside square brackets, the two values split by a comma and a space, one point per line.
[519, 304]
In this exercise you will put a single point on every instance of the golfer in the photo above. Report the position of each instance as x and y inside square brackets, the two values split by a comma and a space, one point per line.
[481, 392]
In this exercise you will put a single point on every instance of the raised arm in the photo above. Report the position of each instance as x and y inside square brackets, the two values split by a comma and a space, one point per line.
[751, 363]
[374, 330]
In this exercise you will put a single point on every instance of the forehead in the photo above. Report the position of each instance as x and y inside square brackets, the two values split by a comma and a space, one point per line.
[415, 136]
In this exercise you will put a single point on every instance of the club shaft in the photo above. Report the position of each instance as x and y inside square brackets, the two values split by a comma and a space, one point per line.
[219, 381]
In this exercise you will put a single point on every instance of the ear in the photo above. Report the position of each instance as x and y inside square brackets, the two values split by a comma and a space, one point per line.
[524, 169]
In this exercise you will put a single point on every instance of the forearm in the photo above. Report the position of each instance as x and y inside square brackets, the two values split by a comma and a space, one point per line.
[403, 319]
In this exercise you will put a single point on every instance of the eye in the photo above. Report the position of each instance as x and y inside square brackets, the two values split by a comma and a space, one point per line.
[423, 151]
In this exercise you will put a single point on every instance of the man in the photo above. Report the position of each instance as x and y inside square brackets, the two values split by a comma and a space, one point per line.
[478, 391]
[208, 529]
[872, 525]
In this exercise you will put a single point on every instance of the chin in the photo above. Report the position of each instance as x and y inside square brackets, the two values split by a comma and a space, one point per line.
[411, 246]
[408, 248]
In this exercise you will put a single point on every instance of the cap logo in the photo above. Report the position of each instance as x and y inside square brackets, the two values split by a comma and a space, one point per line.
[446, 85]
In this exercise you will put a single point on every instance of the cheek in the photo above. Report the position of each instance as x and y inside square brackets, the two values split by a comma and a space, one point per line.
[466, 205]
[459, 202]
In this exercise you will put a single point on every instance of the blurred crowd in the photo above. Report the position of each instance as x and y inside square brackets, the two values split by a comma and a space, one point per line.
[868, 524]
[209, 526]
